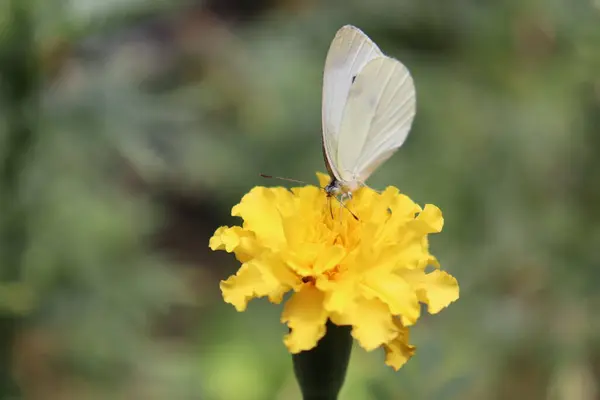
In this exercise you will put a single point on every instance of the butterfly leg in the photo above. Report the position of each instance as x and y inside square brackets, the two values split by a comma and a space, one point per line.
[342, 198]
[330, 206]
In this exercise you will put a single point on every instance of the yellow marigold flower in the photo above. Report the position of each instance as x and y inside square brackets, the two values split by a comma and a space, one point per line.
[369, 273]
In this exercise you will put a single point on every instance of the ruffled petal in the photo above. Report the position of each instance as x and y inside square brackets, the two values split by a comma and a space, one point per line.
[246, 284]
[372, 324]
[340, 293]
[259, 278]
[279, 276]
[328, 259]
[437, 289]
[398, 351]
[430, 220]
[261, 210]
[306, 318]
[225, 238]
[324, 179]
[410, 255]
[403, 208]
[396, 293]
[235, 239]
[368, 204]
[427, 259]
[301, 258]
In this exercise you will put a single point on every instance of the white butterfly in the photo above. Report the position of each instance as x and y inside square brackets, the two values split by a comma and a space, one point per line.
[368, 108]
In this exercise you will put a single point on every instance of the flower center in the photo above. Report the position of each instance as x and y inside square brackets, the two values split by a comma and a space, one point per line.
[332, 272]
[330, 275]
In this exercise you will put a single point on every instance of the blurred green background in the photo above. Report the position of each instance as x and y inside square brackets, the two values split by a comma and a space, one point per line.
[129, 128]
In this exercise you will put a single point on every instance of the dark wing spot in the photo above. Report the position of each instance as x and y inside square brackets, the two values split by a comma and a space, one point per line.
[353, 78]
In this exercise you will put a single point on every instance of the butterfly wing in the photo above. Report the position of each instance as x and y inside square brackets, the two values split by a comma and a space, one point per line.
[376, 120]
[349, 52]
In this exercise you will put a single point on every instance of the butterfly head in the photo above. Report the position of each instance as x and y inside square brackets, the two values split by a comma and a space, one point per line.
[334, 188]
[337, 188]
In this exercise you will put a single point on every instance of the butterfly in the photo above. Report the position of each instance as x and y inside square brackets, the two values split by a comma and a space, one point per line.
[369, 103]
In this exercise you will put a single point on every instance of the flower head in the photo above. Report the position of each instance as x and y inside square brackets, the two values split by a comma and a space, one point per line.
[368, 273]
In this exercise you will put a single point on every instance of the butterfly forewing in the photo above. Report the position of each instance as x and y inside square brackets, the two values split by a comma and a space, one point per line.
[376, 119]
[348, 54]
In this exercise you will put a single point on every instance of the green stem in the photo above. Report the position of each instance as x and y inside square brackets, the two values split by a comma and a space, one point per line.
[321, 371]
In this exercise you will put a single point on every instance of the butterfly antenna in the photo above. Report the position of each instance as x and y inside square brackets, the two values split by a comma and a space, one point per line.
[290, 180]
[304, 183]
[346, 207]
[283, 179]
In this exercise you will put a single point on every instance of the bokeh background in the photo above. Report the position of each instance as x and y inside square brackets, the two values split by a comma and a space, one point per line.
[129, 128]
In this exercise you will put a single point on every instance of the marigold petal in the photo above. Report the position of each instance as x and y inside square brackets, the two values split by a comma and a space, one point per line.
[235, 239]
[328, 259]
[261, 209]
[339, 293]
[301, 257]
[221, 240]
[324, 179]
[280, 278]
[303, 230]
[372, 206]
[364, 200]
[428, 259]
[410, 255]
[390, 195]
[306, 318]
[403, 208]
[240, 288]
[438, 290]
[387, 258]
[309, 199]
[430, 220]
[433, 261]
[267, 276]
[396, 293]
[340, 319]
[398, 351]
[372, 324]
